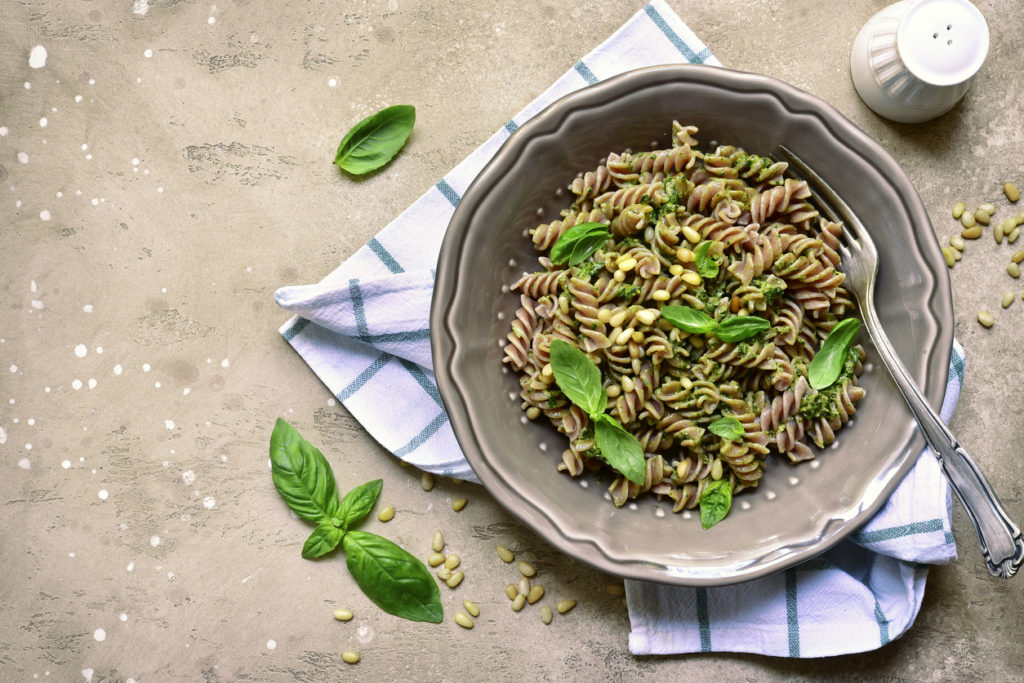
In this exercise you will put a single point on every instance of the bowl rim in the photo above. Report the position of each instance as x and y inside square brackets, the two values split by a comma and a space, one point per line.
[445, 346]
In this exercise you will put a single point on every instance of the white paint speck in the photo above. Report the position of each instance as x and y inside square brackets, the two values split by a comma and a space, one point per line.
[43, 122]
[92, 81]
[22, 158]
[28, 447]
[92, 382]
[271, 644]
[66, 464]
[156, 385]
[118, 369]
[140, 7]
[28, 86]
[123, 617]
[189, 477]
[146, 367]
[186, 391]
[135, 161]
[38, 305]
[87, 308]
[148, 53]
[209, 503]
[3, 436]
[100, 635]
[37, 57]
[225, 363]
[99, 349]
[76, 384]
[103, 495]
[170, 576]
[154, 541]
[130, 567]
[44, 215]
[87, 673]
[14, 368]
[4, 131]
[78, 98]
[81, 350]
[333, 82]
[25, 464]
[85, 146]
[213, 20]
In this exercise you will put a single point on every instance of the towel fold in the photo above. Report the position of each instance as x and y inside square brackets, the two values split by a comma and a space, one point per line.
[364, 331]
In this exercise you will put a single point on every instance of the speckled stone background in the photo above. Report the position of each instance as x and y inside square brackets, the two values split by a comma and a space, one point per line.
[167, 167]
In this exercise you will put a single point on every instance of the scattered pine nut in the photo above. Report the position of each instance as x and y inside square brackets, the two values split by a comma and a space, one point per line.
[471, 607]
[998, 232]
[506, 555]
[343, 615]
[545, 614]
[387, 514]
[438, 543]
[452, 561]
[1008, 298]
[444, 574]
[982, 217]
[1012, 236]
[460, 503]
[511, 592]
[957, 242]
[1018, 257]
[958, 209]
[985, 318]
[1011, 192]
[527, 569]
[435, 559]
[350, 657]
[535, 594]
[564, 606]
[615, 589]
[1013, 269]
[455, 579]
[987, 208]
[463, 620]
[524, 586]
[971, 233]
[427, 481]
[968, 220]
[518, 603]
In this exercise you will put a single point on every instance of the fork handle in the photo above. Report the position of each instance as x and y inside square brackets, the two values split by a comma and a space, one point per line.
[1000, 538]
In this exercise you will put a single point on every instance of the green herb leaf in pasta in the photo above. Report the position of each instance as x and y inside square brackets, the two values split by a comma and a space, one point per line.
[578, 377]
[578, 242]
[375, 140]
[689, 319]
[707, 267]
[827, 364]
[727, 427]
[740, 327]
[619, 448]
[715, 502]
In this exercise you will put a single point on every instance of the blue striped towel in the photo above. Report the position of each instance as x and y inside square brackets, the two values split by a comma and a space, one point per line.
[364, 331]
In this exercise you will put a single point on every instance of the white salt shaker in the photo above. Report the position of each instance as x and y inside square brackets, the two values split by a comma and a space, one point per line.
[914, 60]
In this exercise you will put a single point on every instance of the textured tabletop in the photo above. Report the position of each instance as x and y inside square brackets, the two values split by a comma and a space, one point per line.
[165, 166]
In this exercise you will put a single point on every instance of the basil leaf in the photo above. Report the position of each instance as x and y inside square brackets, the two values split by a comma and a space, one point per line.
[301, 475]
[578, 377]
[707, 267]
[727, 427]
[715, 502]
[323, 540]
[358, 502]
[740, 327]
[620, 449]
[826, 365]
[375, 140]
[689, 319]
[578, 242]
[395, 580]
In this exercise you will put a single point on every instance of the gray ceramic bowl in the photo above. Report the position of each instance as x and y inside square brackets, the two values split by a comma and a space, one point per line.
[798, 511]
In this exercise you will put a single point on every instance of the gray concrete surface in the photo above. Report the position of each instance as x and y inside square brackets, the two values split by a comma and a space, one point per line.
[183, 174]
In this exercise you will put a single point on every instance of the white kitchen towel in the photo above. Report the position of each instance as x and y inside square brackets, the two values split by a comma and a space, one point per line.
[364, 331]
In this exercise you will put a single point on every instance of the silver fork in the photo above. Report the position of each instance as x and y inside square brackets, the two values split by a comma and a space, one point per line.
[1000, 538]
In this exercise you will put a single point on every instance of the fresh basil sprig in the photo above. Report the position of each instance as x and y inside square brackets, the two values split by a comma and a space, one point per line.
[707, 267]
[727, 427]
[715, 502]
[391, 577]
[375, 140]
[580, 381]
[734, 329]
[827, 364]
[578, 243]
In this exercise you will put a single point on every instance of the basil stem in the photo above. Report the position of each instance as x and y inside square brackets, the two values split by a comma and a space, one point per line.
[715, 502]
[375, 140]
[827, 364]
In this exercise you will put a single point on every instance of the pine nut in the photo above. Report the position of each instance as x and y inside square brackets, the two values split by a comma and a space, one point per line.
[533, 412]
[426, 481]
[982, 217]
[1018, 257]
[613, 390]
[628, 384]
[535, 594]
[985, 318]
[1011, 192]
[617, 318]
[1013, 235]
[997, 233]
[350, 657]
[511, 592]
[527, 569]
[524, 586]
[455, 579]
[624, 336]
[690, 278]
[505, 554]
[444, 573]
[518, 603]
[684, 255]
[564, 606]
[387, 514]
[1013, 269]
[471, 608]
[452, 561]
[435, 559]
[463, 620]
[957, 242]
[958, 209]
[604, 315]
[675, 269]
[947, 253]
[615, 589]
[1008, 298]
[987, 208]
[343, 615]
[647, 316]
[460, 503]
[661, 295]
[437, 545]
[627, 264]
[971, 233]
[967, 220]
[545, 614]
